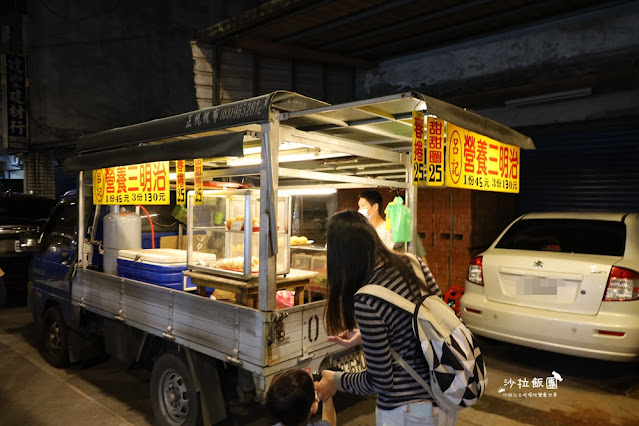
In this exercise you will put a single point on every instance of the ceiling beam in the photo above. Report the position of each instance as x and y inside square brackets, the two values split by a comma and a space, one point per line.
[255, 18]
[383, 8]
[288, 51]
[390, 29]
[487, 21]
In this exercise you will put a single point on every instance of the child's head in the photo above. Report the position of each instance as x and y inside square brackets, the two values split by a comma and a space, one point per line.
[291, 398]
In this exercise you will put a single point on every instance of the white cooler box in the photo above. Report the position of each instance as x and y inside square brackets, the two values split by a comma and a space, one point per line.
[163, 267]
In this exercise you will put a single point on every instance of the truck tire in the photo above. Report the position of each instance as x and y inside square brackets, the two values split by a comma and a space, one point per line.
[55, 338]
[174, 399]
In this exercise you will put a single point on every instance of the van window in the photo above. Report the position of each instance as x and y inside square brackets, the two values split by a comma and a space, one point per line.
[566, 236]
[61, 227]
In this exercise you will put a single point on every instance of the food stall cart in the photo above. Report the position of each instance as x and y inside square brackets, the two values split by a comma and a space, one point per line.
[238, 239]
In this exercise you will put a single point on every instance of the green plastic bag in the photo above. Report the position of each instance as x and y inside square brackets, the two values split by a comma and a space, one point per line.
[400, 219]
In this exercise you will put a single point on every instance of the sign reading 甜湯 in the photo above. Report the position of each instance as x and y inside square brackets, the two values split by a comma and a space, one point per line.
[198, 184]
[180, 186]
[478, 162]
[418, 148]
[146, 183]
[435, 152]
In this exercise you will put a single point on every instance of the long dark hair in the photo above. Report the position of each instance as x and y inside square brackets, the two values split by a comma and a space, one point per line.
[353, 251]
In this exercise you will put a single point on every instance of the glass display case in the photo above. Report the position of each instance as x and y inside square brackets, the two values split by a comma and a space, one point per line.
[227, 224]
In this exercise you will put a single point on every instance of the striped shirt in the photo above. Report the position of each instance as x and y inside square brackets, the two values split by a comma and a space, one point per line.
[383, 326]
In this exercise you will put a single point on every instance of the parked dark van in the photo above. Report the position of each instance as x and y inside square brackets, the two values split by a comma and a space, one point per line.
[22, 217]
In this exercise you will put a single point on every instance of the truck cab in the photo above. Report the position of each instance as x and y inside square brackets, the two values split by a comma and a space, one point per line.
[50, 280]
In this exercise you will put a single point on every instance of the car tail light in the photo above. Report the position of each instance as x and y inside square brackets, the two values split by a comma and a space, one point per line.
[476, 271]
[623, 284]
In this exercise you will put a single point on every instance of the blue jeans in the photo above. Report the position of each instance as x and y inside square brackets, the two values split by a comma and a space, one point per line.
[401, 416]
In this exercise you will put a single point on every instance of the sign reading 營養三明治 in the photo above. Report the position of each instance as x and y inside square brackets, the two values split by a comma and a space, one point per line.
[146, 183]
[474, 161]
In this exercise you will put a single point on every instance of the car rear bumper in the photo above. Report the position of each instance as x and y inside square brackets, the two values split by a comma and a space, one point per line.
[566, 333]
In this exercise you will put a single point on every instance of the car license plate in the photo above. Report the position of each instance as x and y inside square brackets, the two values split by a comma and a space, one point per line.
[537, 287]
[352, 362]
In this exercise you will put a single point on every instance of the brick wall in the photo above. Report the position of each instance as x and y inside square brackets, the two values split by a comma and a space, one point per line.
[478, 217]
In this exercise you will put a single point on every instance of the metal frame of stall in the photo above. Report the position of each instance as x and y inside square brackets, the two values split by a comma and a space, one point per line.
[352, 129]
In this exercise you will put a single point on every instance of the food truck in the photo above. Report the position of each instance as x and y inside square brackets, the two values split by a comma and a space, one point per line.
[202, 306]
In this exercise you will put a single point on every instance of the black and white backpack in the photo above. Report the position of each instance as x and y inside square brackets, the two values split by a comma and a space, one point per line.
[457, 370]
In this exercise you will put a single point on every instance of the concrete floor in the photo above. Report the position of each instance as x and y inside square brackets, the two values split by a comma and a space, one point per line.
[34, 393]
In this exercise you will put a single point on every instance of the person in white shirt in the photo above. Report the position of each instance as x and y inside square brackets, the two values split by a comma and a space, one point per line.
[370, 206]
[370, 203]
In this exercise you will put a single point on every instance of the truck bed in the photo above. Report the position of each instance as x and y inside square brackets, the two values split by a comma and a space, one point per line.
[226, 331]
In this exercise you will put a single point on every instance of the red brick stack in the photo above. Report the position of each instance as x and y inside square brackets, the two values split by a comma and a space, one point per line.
[478, 218]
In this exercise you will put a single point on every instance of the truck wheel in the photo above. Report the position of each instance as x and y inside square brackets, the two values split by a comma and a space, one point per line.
[55, 338]
[173, 397]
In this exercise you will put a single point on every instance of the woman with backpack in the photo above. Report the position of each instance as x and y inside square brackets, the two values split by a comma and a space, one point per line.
[356, 257]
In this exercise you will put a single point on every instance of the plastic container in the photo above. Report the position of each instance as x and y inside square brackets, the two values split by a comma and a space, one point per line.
[301, 261]
[318, 264]
[122, 230]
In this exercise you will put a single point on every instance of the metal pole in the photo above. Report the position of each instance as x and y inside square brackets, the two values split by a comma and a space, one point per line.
[81, 232]
[452, 239]
[269, 170]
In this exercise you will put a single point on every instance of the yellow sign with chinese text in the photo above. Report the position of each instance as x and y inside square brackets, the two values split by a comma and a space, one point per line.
[198, 183]
[146, 183]
[180, 183]
[418, 148]
[435, 152]
[474, 161]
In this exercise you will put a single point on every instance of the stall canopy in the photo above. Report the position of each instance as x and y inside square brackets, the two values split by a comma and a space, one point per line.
[362, 138]
[205, 128]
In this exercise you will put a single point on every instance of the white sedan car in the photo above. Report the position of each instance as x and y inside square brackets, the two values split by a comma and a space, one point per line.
[561, 282]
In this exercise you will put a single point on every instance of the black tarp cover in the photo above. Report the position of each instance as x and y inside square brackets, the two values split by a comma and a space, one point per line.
[136, 143]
